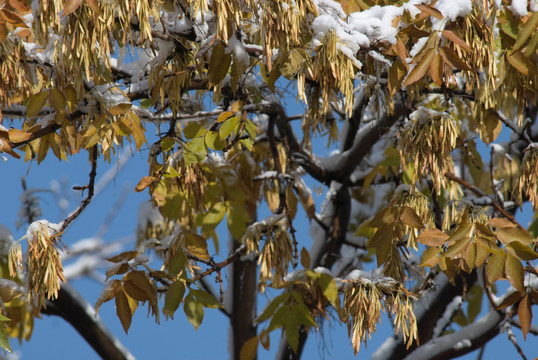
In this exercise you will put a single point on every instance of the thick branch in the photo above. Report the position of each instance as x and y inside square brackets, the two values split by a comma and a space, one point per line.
[469, 338]
[72, 307]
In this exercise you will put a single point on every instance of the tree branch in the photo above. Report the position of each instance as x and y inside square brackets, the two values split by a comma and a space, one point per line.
[72, 307]
[90, 187]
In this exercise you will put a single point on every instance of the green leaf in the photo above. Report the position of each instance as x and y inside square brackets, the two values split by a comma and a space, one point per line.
[177, 263]
[292, 332]
[4, 341]
[206, 299]
[193, 130]
[279, 318]
[173, 297]
[270, 309]
[213, 217]
[236, 217]
[328, 287]
[214, 141]
[303, 316]
[228, 126]
[194, 151]
[525, 32]
[167, 143]
[194, 311]
[219, 64]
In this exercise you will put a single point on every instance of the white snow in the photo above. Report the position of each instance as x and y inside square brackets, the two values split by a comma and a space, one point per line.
[240, 54]
[462, 344]
[445, 320]
[518, 7]
[42, 225]
[454, 8]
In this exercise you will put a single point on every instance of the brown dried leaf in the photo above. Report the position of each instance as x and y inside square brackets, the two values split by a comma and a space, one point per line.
[524, 312]
[430, 10]
[123, 310]
[432, 237]
[452, 36]
[420, 69]
[453, 59]
[436, 69]
[144, 183]
[514, 273]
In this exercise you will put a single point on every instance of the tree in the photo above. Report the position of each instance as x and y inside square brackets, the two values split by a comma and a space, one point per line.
[407, 93]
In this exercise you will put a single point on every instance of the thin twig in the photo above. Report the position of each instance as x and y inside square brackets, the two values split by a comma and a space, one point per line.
[91, 185]
[514, 341]
[510, 124]
[480, 193]
[218, 266]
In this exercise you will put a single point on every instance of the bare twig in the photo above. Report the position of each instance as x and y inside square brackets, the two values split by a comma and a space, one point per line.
[512, 338]
[480, 193]
[90, 187]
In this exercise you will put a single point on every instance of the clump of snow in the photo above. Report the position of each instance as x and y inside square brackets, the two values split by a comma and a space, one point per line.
[43, 225]
[240, 54]
[454, 8]
[463, 344]
[519, 7]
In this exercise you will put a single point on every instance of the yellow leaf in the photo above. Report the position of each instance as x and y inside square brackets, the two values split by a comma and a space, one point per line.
[224, 115]
[524, 313]
[514, 273]
[410, 218]
[36, 103]
[144, 183]
[196, 245]
[495, 268]
[501, 223]
[420, 69]
[528, 29]
[432, 237]
[120, 109]
[521, 63]
[249, 349]
[508, 234]
[57, 100]
[139, 280]
[17, 136]
[70, 7]
[430, 10]
[453, 59]
[436, 69]
[123, 310]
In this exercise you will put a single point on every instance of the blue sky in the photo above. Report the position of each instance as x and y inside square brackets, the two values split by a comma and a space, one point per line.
[53, 338]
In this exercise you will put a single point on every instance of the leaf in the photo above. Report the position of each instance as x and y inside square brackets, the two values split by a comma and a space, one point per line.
[219, 64]
[524, 312]
[194, 311]
[430, 10]
[514, 273]
[305, 258]
[194, 151]
[526, 31]
[116, 269]
[144, 183]
[397, 73]
[457, 248]
[432, 237]
[123, 310]
[94, 5]
[4, 340]
[265, 339]
[124, 256]
[490, 128]
[214, 216]
[436, 69]
[452, 36]
[120, 109]
[328, 287]
[229, 126]
[420, 69]
[224, 115]
[108, 293]
[18, 136]
[214, 141]
[510, 300]
[173, 297]
[196, 245]
[430, 257]
[409, 217]
[194, 130]
[270, 309]
[70, 7]
[57, 100]
[501, 223]
[292, 332]
[206, 299]
[12, 18]
[522, 63]
[453, 59]
[495, 267]
[303, 316]
[249, 349]
[177, 263]
[522, 252]
[507, 235]
[139, 283]
[36, 102]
